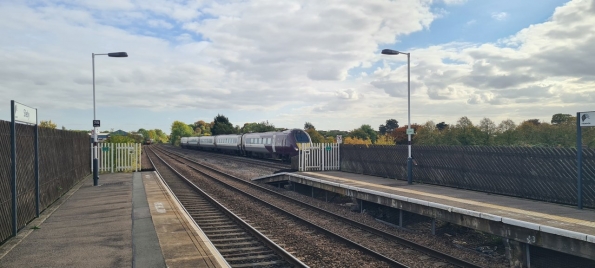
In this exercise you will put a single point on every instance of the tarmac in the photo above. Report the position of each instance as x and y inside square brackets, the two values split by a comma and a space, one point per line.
[128, 220]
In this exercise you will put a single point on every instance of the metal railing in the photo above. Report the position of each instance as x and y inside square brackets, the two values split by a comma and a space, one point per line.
[118, 157]
[319, 156]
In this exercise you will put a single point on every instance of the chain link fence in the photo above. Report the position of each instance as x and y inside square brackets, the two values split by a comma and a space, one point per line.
[63, 161]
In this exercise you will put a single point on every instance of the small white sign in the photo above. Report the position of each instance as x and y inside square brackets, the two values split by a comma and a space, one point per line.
[587, 119]
[159, 207]
[24, 114]
[339, 139]
[410, 131]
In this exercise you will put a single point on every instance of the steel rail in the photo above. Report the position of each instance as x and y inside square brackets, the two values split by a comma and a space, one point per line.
[421, 248]
[292, 260]
[363, 248]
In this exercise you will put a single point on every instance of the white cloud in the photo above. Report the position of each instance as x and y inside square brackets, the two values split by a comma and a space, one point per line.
[454, 2]
[499, 15]
[289, 61]
[545, 68]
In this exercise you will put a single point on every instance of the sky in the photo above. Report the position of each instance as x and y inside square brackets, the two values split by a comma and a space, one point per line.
[296, 61]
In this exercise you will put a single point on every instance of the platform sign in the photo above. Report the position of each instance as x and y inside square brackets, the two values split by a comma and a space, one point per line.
[587, 119]
[24, 114]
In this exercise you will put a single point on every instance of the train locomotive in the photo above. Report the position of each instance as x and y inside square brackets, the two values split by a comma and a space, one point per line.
[276, 145]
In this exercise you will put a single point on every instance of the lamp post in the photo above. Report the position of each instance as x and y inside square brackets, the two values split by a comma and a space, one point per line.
[409, 130]
[95, 161]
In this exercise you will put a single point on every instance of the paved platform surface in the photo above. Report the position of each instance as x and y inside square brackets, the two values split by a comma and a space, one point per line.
[129, 220]
[542, 213]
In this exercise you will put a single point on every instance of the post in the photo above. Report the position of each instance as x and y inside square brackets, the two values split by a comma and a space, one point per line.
[409, 159]
[95, 162]
[579, 162]
[36, 169]
[13, 155]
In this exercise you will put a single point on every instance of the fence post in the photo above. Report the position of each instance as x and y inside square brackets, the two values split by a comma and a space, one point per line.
[13, 154]
[37, 170]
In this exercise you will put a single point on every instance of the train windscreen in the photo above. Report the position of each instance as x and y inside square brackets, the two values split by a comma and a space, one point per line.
[302, 137]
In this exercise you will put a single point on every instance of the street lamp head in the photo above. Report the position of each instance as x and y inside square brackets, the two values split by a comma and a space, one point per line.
[118, 54]
[390, 52]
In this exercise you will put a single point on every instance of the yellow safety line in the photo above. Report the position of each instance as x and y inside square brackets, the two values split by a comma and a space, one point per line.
[476, 203]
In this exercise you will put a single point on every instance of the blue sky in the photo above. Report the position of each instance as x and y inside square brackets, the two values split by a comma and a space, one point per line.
[295, 61]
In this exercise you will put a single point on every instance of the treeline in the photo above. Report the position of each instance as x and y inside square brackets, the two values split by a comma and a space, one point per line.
[559, 132]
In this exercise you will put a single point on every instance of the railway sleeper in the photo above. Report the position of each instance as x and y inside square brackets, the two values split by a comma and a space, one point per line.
[265, 264]
[252, 257]
[232, 239]
[243, 249]
[242, 244]
[227, 234]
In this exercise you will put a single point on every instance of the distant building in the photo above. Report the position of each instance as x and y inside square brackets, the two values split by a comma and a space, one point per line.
[119, 132]
[100, 137]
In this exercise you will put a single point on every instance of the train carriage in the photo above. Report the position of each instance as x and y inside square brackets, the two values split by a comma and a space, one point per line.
[206, 143]
[229, 143]
[192, 143]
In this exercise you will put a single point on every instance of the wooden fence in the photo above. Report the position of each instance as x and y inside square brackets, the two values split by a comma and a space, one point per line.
[546, 174]
[63, 161]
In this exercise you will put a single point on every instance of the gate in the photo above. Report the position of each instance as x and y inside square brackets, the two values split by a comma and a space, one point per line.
[318, 156]
[118, 157]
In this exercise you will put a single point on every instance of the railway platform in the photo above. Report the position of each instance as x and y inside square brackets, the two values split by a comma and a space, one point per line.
[129, 220]
[521, 222]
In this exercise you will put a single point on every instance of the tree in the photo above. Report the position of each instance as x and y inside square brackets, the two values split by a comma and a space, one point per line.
[308, 125]
[533, 122]
[120, 139]
[179, 129]
[467, 133]
[221, 125]
[359, 134]
[257, 127]
[47, 124]
[371, 132]
[315, 136]
[558, 119]
[390, 126]
[160, 136]
[354, 140]
[144, 133]
[202, 128]
[488, 129]
[427, 134]
[507, 133]
[441, 126]
[152, 135]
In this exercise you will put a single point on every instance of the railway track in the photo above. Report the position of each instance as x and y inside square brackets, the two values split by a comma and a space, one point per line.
[259, 162]
[360, 230]
[239, 243]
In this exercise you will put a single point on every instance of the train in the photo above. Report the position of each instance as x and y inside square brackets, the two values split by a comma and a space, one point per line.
[276, 145]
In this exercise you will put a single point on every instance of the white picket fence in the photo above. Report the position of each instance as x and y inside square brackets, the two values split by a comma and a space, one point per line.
[118, 157]
[319, 156]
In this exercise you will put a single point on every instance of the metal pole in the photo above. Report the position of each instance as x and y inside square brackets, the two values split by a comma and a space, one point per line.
[13, 155]
[409, 159]
[95, 161]
[579, 162]
[36, 167]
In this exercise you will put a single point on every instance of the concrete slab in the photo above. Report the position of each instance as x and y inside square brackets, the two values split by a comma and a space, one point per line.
[129, 220]
[85, 231]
